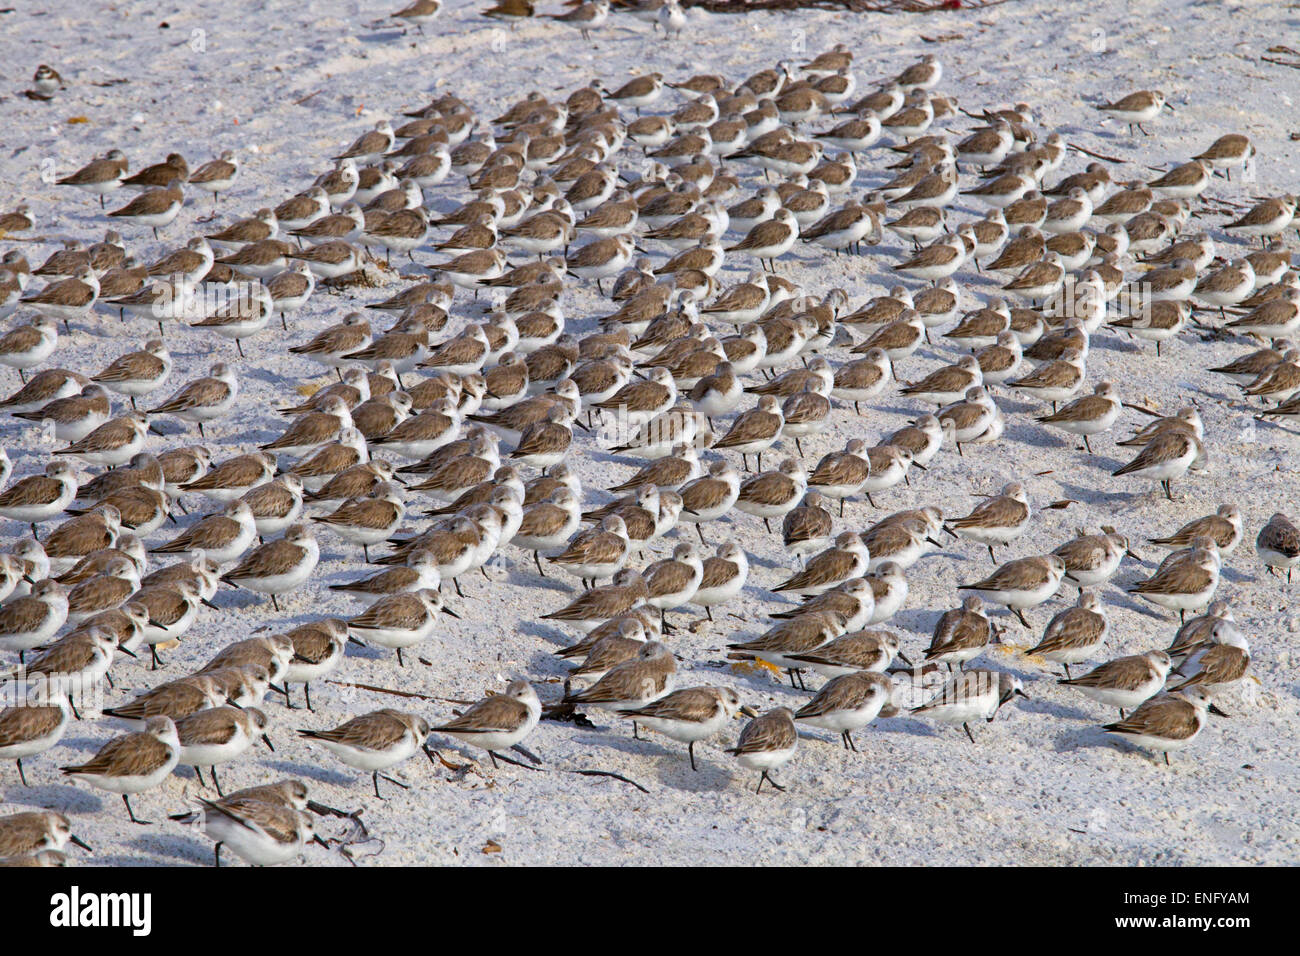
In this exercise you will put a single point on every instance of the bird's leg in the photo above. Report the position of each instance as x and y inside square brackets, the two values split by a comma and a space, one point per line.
[131, 813]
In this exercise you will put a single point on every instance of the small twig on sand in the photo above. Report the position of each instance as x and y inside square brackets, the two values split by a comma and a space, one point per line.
[517, 763]
[304, 99]
[1141, 408]
[1087, 152]
[607, 773]
[498, 755]
[381, 690]
[398, 693]
[322, 810]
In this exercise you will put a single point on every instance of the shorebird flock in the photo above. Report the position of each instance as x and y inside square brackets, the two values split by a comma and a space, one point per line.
[452, 442]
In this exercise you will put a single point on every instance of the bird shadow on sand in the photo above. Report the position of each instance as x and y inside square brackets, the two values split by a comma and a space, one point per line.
[65, 799]
[179, 849]
[529, 578]
[145, 858]
[320, 774]
[673, 768]
[912, 727]
[917, 622]
[381, 36]
[907, 412]
[1095, 496]
[1040, 705]
[267, 376]
[1233, 576]
[1094, 738]
[366, 652]
[1278, 426]
[555, 636]
[239, 599]
[543, 664]
[1042, 438]
[1011, 405]
[1120, 598]
[86, 744]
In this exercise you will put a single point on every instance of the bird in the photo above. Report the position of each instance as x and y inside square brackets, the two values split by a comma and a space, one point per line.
[767, 742]
[971, 695]
[132, 763]
[498, 722]
[374, 741]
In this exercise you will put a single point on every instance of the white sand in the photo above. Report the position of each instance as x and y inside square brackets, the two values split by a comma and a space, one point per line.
[917, 793]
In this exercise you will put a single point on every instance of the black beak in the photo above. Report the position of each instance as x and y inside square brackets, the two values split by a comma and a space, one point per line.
[447, 610]
[267, 740]
[208, 603]
[317, 839]
[81, 843]
[1022, 693]
[1216, 711]
[903, 657]
[353, 640]
[125, 651]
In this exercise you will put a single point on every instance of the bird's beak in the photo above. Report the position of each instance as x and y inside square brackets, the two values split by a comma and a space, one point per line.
[1170, 108]
[447, 610]
[1133, 554]
[81, 843]
[316, 838]
[128, 653]
[748, 711]
[1021, 693]
[267, 740]
[903, 657]
[428, 752]
[208, 603]
[937, 544]
[353, 640]
[1216, 711]
[919, 465]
